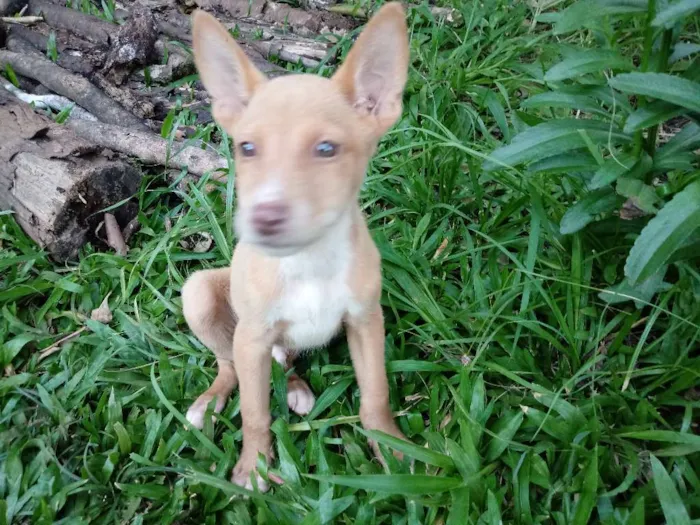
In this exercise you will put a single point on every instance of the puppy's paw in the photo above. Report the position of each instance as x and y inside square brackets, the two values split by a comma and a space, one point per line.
[300, 398]
[195, 414]
[244, 468]
[392, 430]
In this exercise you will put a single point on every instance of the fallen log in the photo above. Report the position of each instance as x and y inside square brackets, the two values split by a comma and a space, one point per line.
[317, 4]
[179, 64]
[56, 182]
[136, 104]
[140, 107]
[87, 26]
[67, 43]
[309, 54]
[22, 40]
[449, 15]
[149, 147]
[259, 40]
[133, 46]
[71, 86]
[306, 23]
[10, 7]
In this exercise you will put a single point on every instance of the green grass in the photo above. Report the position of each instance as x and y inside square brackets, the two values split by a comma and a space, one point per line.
[526, 397]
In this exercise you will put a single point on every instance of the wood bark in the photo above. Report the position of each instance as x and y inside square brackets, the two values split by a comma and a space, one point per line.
[56, 182]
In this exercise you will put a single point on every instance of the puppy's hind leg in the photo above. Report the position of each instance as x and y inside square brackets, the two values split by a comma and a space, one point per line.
[300, 398]
[207, 309]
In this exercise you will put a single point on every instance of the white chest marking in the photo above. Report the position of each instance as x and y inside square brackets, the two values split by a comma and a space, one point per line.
[315, 294]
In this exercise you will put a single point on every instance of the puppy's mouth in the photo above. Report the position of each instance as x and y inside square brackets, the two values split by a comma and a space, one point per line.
[279, 248]
[282, 244]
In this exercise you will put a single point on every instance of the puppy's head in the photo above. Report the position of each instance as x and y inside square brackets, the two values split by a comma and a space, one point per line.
[302, 142]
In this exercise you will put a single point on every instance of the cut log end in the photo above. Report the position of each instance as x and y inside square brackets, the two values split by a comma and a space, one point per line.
[57, 201]
[57, 183]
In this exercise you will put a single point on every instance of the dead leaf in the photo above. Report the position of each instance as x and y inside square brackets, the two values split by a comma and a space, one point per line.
[198, 243]
[630, 210]
[440, 249]
[58, 344]
[445, 421]
[102, 314]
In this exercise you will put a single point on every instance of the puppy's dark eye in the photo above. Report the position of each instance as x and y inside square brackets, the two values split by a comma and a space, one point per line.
[247, 149]
[326, 149]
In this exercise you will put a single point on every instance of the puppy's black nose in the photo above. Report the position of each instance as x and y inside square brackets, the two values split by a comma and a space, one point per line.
[269, 218]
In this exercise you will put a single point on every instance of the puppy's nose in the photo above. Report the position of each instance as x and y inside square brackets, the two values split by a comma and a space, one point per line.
[269, 217]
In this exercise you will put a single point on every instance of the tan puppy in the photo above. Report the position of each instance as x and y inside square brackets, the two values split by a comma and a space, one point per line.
[305, 264]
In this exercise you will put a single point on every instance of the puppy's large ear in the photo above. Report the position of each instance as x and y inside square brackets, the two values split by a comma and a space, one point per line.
[374, 73]
[226, 72]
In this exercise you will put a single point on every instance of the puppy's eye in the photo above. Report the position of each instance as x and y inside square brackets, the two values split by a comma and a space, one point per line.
[326, 149]
[247, 149]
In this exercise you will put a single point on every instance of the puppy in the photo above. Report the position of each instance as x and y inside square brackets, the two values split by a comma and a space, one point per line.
[305, 265]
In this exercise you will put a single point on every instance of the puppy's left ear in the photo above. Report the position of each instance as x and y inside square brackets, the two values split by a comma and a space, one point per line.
[374, 73]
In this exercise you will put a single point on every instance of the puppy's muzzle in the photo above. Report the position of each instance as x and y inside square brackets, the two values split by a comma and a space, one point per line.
[269, 218]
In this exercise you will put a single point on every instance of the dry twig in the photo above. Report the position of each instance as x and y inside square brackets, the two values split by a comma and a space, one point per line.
[58, 344]
[25, 20]
[102, 314]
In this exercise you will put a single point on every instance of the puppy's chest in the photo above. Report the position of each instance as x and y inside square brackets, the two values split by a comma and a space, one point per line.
[313, 302]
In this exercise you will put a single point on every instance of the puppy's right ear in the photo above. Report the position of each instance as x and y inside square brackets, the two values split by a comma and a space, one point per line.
[226, 72]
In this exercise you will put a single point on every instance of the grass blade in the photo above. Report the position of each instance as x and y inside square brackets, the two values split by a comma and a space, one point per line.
[415, 451]
[408, 484]
[587, 500]
[671, 502]
[329, 396]
[503, 437]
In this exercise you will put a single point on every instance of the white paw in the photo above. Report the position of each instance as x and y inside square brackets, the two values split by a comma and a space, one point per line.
[263, 486]
[195, 414]
[281, 355]
[241, 477]
[300, 399]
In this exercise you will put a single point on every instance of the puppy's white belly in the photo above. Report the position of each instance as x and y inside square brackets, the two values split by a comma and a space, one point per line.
[312, 312]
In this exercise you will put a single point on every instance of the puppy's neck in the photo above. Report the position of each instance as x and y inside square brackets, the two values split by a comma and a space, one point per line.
[325, 257]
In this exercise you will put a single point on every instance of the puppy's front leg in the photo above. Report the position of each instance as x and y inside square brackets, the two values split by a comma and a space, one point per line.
[252, 356]
[366, 341]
